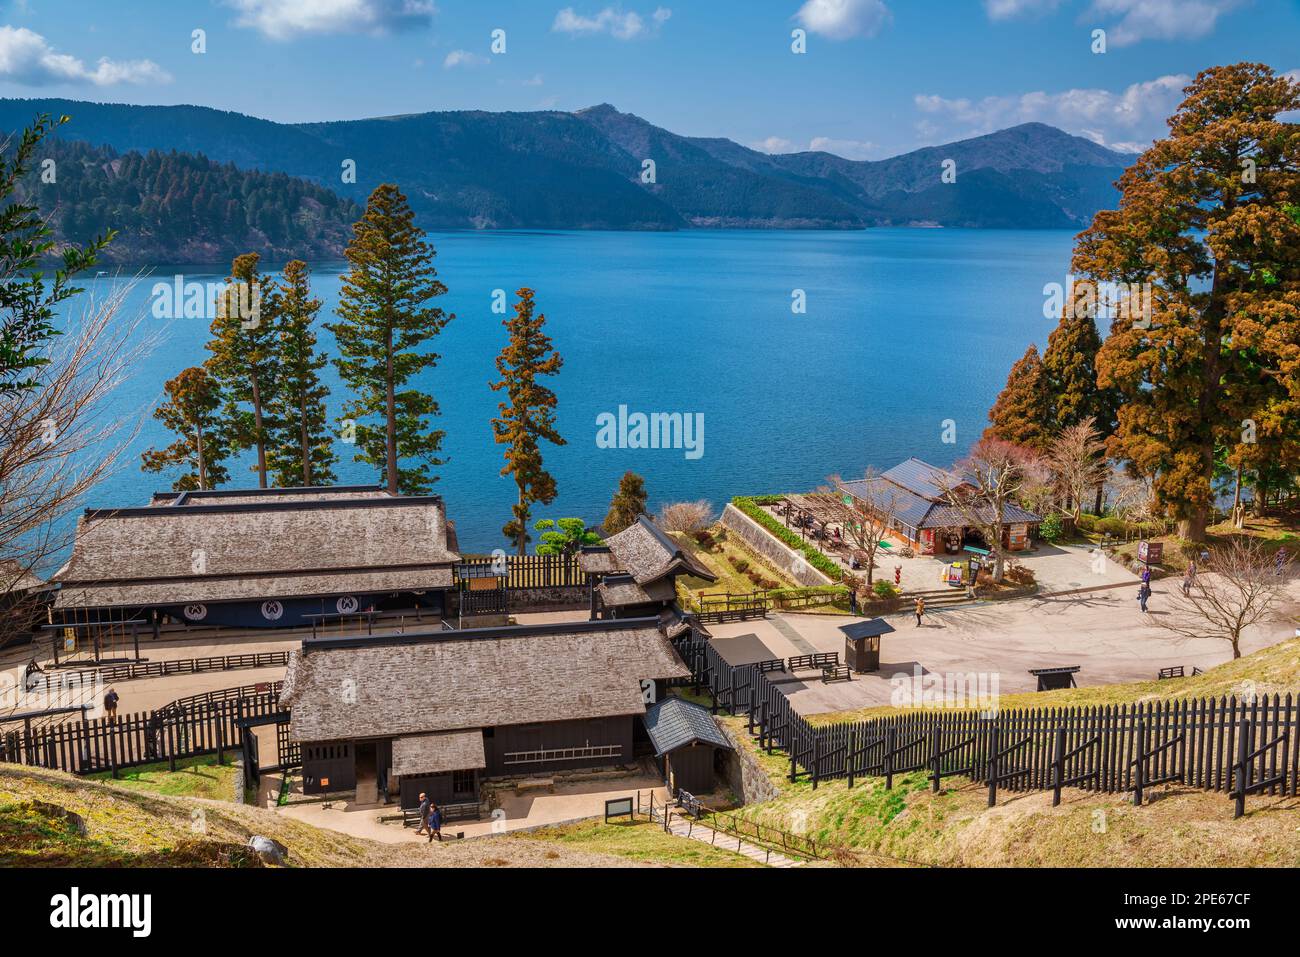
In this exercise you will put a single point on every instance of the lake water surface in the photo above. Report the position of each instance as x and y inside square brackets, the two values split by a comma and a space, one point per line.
[904, 329]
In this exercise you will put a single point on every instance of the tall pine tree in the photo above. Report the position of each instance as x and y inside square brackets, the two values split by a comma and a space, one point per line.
[243, 347]
[1207, 217]
[627, 505]
[193, 412]
[1022, 413]
[303, 449]
[387, 316]
[528, 415]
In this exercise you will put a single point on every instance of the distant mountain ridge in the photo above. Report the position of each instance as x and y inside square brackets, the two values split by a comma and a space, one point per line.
[582, 170]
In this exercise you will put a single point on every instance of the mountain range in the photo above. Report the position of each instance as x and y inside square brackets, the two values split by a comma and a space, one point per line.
[583, 170]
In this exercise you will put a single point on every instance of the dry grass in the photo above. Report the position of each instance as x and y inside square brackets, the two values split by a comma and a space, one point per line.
[128, 828]
[640, 841]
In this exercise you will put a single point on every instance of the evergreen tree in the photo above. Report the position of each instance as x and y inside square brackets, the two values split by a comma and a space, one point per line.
[192, 411]
[244, 358]
[529, 414]
[627, 505]
[1022, 413]
[1208, 217]
[386, 316]
[302, 452]
[26, 305]
[564, 536]
[1070, 363]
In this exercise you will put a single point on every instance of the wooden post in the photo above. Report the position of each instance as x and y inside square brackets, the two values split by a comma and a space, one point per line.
[112, 749]
[221, 736]
[1139, 777]
[993, 763]
[848, 756]
[891, 739]
[1058, 767]
[934, 757]
[817, 759]
[1243, 755]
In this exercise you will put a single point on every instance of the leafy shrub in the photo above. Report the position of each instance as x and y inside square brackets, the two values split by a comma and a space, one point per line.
[884, 589]
[739, 564]
[1052, 528]
[705, 540]
[818, 560]
[1087, 522]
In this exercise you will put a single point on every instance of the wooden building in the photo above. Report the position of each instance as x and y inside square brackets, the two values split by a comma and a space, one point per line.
[634, 573]
[399, 714]
[24, 598]
[924, 519]
[688, 744]
[259, 558]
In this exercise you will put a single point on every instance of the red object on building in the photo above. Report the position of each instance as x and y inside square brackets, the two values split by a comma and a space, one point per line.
[898, 574]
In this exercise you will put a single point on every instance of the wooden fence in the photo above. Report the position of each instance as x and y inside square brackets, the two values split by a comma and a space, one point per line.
[1237, 747]
[161, 669]
[531, 571]
[101, 744]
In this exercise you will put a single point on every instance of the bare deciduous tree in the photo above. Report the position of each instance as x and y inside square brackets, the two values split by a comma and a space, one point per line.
[60, 438]
[1240, 586]
[982, 486]
[688, 517]
[1077, 458]
[864, 523]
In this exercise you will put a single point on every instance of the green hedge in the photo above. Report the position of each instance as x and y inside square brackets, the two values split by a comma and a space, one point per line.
[749, 504]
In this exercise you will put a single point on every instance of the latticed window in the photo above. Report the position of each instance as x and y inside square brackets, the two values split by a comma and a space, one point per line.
[462, 782]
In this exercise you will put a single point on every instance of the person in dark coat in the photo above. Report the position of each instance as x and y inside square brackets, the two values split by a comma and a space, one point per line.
[435, 823]
[424, 813]
[110, 705]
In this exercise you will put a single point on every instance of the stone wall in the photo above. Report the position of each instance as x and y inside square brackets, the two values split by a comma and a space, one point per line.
[747, 780]
[563, 598]
[759, 539]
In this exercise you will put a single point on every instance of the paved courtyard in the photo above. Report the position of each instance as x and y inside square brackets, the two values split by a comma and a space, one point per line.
[1101, 631]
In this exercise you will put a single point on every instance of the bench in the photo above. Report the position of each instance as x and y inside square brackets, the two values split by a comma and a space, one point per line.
[813, 661]
[1175, 672]
[463, 811]
[836, 673]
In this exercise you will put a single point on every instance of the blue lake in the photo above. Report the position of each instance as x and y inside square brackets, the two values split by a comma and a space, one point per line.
[903, 329]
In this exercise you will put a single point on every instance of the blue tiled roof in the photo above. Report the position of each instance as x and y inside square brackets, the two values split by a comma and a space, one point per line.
[920, 478]
[675, 722]
[918, 501]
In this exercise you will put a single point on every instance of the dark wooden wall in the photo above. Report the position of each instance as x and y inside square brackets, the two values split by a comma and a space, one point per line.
[332, 760]
[691, 768]
[556, 735]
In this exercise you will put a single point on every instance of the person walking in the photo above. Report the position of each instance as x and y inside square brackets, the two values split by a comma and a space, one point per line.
[435, 823]
[920, 611]
[1143, 594]
[424, 814]
[110, 704]
[1187, 579]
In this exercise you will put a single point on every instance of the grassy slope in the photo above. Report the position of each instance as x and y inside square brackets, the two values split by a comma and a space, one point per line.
[199, 777]
[135, 828]
[1184, 827]
[638, 841]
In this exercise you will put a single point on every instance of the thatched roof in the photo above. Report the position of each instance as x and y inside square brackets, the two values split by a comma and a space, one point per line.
[436, 753]
[15, 578]
[597, 560]
[618, 591]
[646, 553]
[340, 689]
[272, 543]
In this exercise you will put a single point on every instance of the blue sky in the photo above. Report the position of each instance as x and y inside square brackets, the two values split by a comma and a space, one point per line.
[878, 77]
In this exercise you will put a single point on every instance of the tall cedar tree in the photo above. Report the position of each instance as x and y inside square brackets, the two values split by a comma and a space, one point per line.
[302, 452]
[627, 505]
[1207, 216]
[26, 306]
[1070, 362]
[384, 305]
[244, 362]
[529, 415]
[1022, 413]
[192, 411]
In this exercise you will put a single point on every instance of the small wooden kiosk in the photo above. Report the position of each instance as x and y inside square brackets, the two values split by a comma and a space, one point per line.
[862, 643]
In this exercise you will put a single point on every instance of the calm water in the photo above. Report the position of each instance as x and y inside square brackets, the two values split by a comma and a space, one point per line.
[903, 329]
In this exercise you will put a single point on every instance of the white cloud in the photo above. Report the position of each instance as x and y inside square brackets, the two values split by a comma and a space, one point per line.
[1009, 9]
[284, 19]
[1126, 119]
[849, 149]
[534, 80]
[611, 20]
[26, 57]
[842, 19]
[1158, 19]
[462, 58]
